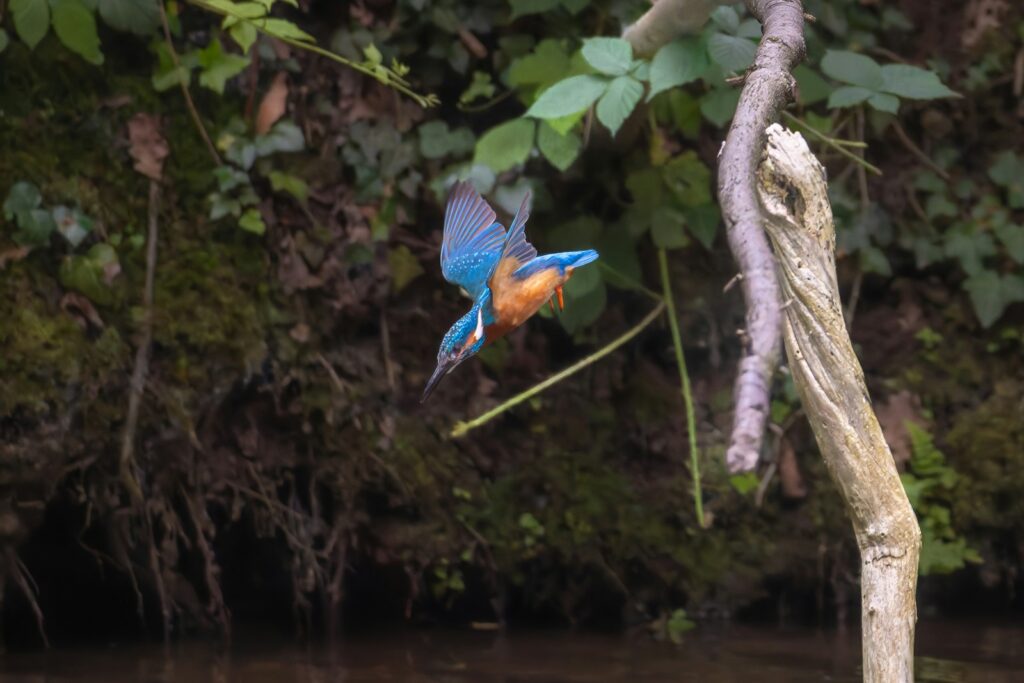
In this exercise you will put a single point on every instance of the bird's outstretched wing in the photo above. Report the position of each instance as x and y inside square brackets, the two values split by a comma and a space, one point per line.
[472, 241]
[516, 247]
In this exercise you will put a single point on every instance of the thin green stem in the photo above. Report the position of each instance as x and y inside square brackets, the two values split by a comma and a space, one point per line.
[461, 428]
[834, 144]
[684, 378]
[629, 281]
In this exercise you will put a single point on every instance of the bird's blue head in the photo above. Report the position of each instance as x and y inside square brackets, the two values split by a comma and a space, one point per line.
[465, 338]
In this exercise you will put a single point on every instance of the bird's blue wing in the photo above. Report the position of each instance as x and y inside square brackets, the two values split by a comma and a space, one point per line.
[516, 245]
[472, 240]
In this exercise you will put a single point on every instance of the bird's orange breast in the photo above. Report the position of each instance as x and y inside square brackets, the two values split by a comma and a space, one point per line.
[515, 300]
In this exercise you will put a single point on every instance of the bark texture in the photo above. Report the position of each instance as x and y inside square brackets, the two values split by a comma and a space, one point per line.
[768, 86]
[666, 20]
[830, 381]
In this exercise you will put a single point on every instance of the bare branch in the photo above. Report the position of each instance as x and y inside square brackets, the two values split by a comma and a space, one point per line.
[768, 86]
[830, 382]
[666, 21]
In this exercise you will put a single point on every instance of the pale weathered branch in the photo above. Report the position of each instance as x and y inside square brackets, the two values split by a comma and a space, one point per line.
[829, 379]
[767, 87]
[666, 21]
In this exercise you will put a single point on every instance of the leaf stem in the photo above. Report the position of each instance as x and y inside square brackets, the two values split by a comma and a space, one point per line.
[684, 378]
[461, 428]
[834, 144]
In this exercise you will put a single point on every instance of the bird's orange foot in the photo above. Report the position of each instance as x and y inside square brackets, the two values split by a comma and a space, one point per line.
[551, 303]
[561, 301]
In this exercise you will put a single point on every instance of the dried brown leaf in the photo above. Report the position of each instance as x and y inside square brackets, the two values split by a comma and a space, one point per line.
[148, 147]
[13, 255]
[273, 104]
[81, 309]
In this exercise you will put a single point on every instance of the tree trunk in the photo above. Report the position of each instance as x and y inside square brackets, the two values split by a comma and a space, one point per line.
[830, 381]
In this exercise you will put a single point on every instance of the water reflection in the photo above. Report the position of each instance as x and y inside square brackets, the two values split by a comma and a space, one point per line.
[949, 652]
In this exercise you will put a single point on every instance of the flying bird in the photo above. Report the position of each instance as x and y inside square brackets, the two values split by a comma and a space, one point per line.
[501, 272]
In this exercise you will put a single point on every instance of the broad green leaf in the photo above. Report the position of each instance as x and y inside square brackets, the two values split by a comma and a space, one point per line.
[881, 101]
[813, 88]
[702, 222]
[481, 88]
[85, 274]
[285, 136]
[680, 109]
[611, 56]
[719, 105]
[293, 185]
[23, 196]
[582, 309]
[618, 102]
[749, 28]
[244, 34]
[75, 25]
[34, 228]
[405, 267]
[667, 229]
[506, 145]
[618, 253]
[677, 63]
[913, 82]
[938, 205]
[688, 179]
[140, 17]
[568, 97]
[252, 221]
[727, 18]
[873, 260]
[548, 63]
[1008, 171]
[1012, 237]
[218, 66]
[853, 68]
[522, 8]
[436, 141]
[4, 40]
[971, 249]
[560, 150]
[731, 53]
[31, 20]
[991, 294]
[848, 96]
[280, 28]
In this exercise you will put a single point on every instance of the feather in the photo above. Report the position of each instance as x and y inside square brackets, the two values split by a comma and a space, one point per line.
[472, 239]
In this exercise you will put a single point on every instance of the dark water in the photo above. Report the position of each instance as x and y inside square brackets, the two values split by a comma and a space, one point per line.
[949, 652]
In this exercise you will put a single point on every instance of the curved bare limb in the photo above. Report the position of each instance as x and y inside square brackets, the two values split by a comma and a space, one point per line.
[767, 88]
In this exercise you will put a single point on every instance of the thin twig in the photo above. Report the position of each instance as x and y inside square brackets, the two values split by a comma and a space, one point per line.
[138, 381]
[917, 151]
[193, 112]
[461, 428]
[684, 378]
[28, 588]
[385, 347]
[837, 145]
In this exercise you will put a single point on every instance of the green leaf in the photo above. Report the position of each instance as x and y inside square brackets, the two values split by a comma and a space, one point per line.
[31, 20]
[991, 294]
[913, 82]
[560, 150]
[506, 145]
[75, 25]
[1012, 237]
[971, 249]
[218, 66]
[571, 96]
[873, 260]
[853, 68]
[252, 221]
[1008, 171]
[813, 88]
[883, 102]
[848, 96]
[727, 18]
[618, 102]
[582, 309]
[4, 40]
[702, 222]
[481, 88]
[285, 136]
[405, 267]
[667, 228]
[140, 17]
[437, 142]
[730, 52]
[611, 56]
[280, 28]
[85, 274]
[618, 252]
[290, 184]
[719, 105]
[244, 34]
[548, 63]
[522, 8]
[34, 228]
[23, 196]
[689, 179]
[677, 63]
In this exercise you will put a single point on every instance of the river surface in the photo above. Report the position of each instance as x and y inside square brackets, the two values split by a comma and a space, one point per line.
[948, 652]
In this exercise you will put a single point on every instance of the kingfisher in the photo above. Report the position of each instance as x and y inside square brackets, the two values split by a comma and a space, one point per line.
[501, 272]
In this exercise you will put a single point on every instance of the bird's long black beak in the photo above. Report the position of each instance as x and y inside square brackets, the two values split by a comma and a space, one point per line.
[440, 371]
